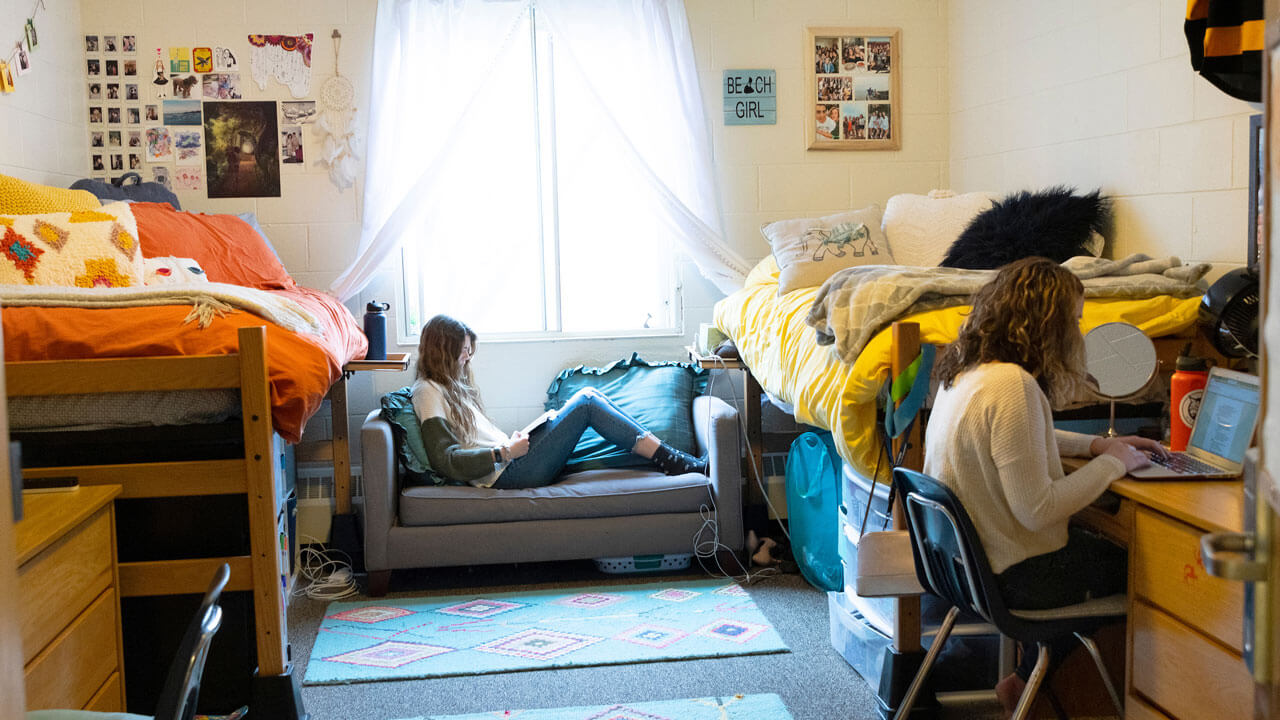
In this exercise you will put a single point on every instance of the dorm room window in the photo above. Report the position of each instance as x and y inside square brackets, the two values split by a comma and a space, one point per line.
[546, 226]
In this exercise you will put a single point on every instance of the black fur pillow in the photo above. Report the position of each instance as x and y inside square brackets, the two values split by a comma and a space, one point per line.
[1054, 223]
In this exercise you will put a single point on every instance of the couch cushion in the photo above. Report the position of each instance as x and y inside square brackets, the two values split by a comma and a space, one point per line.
[588, 494]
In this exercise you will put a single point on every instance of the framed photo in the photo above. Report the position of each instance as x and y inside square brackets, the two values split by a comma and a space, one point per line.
[854, 88]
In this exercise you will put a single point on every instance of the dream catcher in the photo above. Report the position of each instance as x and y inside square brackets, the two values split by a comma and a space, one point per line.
[337, 150]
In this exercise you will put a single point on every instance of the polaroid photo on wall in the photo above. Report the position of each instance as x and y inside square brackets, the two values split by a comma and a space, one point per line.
[117, 162]
[131, 91]
[152, 113]
[298, 113]
[135, 138]
[24, 58]
[160, 174]
[112, 67]
[130, 68]
[133, 115]
[98, 164]
[113, 116]
[95, 114]
[113, 138]
[96, 139]
[113, 91]
[109, 44]
[91, 43]
[135, 161]
[129, 44]
[95, 91]
[291, 145]
[93, 67]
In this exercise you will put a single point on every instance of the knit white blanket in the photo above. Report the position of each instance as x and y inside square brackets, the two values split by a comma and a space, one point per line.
[207, 300]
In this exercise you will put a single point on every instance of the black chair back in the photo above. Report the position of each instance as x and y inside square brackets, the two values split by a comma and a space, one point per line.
[181, 690]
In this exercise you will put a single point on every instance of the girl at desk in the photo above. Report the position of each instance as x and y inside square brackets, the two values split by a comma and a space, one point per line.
[465, 446]
[991, 440]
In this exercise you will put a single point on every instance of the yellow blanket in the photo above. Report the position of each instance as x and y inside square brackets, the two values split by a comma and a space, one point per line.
[783, 353]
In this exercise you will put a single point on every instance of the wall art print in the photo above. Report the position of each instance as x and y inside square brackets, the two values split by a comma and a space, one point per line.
[241, 147]
[854, 89]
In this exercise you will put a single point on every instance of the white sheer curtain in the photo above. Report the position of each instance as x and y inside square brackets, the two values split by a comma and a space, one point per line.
[446, 75]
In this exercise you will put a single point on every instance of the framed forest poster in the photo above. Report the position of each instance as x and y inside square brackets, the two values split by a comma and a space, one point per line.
[854, 88]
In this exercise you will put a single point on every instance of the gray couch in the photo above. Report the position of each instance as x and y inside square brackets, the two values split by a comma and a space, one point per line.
[591, 514]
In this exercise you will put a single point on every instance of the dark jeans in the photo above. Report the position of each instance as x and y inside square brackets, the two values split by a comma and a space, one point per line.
[552, 443]
[1088, 566]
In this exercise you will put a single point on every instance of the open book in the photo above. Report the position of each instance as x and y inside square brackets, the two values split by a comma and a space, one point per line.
[538, 422]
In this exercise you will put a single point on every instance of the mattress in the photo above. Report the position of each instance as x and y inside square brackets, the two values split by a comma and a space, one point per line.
[301, 367]
[784, 356]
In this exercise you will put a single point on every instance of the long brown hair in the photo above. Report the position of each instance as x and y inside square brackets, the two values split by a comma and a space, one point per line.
[1026, 316]
[439, 348]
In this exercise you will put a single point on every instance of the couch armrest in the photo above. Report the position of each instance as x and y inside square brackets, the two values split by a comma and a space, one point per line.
[715, 427]
[381, 486]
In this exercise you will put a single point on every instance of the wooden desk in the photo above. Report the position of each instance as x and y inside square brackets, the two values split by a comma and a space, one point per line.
[1184, 636]
[341, 431]
[69, 600]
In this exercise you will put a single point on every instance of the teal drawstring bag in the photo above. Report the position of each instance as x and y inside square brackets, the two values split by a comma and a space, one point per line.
[813, 500]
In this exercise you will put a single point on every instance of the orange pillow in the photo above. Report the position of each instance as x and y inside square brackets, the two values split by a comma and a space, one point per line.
[229, 250]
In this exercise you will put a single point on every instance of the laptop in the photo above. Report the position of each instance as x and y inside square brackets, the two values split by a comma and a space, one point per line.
[1220, 435]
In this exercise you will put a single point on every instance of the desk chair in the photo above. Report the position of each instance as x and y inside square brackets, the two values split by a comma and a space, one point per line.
[182, 684]
[951, 563]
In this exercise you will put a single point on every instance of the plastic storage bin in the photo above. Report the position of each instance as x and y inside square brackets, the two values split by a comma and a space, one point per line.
[643, 563]
[860, 644]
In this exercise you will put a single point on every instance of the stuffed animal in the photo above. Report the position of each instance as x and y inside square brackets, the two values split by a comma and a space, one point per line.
[171, 270]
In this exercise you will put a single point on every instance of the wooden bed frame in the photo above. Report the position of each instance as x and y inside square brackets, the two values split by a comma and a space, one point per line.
[275, 691]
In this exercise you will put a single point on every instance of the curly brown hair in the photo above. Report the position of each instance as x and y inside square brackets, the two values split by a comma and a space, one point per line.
[1027, 316]
[439, 348]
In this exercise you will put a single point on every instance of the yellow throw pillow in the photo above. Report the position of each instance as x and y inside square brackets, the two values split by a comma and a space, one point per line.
[85, 248]
[19, 197]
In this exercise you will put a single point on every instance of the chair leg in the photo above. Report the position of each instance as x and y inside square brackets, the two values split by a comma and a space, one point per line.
[379, 582]
[904, 709]
[1033, 683]
[1092, 647]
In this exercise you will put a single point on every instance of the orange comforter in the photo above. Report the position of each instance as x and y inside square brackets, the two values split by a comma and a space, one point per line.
[300, 367]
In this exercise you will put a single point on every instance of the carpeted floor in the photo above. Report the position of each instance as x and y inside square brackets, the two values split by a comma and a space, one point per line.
[813, 681]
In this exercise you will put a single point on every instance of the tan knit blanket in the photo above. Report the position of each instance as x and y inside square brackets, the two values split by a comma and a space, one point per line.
[856, 303]
[207, 300]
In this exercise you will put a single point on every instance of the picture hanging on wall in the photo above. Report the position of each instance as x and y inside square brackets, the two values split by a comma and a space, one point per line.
[241, 149]
[854, 94]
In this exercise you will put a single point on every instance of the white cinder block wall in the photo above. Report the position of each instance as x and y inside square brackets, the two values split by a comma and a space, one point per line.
[42, 124]
[1094, 94]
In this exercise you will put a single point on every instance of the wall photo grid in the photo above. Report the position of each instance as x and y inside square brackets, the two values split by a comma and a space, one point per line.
[161, 112]
[853, 88]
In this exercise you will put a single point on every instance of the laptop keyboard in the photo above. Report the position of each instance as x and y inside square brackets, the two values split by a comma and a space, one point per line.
[1185, 464]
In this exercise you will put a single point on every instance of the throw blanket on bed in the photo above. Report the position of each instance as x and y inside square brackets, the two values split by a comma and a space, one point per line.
[207, 300]
[858, 302]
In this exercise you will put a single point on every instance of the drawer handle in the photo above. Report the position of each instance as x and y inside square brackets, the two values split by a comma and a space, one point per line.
[1215, 547]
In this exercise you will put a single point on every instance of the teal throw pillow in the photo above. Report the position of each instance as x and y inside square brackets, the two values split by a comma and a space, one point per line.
[659, 395]
[397, 410]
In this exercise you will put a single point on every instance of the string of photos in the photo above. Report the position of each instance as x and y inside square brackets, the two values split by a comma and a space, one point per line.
[18, 62]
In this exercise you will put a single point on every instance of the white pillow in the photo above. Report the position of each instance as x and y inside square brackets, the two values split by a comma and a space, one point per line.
[810, 250]
[171, 270]
[921, 228]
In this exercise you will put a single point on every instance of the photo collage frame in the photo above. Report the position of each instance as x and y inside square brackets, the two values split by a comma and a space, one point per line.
[854, 88]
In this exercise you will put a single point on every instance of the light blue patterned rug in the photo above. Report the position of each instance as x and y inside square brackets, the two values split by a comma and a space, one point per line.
[475, 634]
[736, 707]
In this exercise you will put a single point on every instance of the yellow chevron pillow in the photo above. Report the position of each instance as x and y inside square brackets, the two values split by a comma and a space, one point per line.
[85, 248]
[21, 197]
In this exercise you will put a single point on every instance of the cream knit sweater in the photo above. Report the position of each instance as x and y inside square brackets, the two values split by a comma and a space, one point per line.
[991, 440]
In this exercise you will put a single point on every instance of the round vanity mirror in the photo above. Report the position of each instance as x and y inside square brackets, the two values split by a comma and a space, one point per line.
[1121, 359]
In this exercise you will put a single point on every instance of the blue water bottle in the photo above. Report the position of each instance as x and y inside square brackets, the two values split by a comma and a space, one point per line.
[375, 328]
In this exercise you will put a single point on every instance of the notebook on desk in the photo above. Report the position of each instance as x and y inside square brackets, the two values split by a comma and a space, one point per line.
[1220, 435]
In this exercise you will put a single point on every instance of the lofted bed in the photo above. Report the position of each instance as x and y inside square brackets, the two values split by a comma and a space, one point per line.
[188, 401]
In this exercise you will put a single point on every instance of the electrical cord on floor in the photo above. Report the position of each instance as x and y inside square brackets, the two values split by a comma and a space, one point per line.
[706, 541]
[328, 576]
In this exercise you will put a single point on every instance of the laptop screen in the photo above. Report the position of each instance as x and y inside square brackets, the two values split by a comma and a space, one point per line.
[1228, 413]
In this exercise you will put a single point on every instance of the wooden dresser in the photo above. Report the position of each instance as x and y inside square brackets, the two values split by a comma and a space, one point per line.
[69, 600]
[1185, 626]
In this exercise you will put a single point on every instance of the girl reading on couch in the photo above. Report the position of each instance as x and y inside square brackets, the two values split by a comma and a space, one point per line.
[465, 446]
[991, 440]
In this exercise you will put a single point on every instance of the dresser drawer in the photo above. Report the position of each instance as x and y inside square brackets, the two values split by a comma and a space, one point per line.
[69, 673]
[57, 584]
[1182, 671]
[109, 698]
[1135, 708]
[1169, 572]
